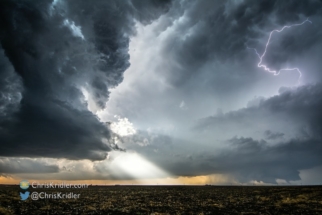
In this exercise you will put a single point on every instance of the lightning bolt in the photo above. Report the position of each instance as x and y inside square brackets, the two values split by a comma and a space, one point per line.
[265, 67]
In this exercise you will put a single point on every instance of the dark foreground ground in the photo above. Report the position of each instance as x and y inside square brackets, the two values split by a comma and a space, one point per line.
[169, 200]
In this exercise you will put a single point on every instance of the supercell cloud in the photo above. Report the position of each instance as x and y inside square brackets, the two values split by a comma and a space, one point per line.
[50, 52]
[171, 81]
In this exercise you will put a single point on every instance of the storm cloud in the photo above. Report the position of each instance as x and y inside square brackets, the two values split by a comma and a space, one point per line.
[51, 52]
[274, 139]
[175, 83]
[24, 165]
[295, 117]
[204, 64]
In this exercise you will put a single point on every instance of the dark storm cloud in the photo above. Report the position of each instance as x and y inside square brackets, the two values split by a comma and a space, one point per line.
[273, 135]
[196, 55]
[255, 160]
[288, 128]
[21, 165]
[260, 160]
[10, 87]
[219, 31]
[298, 108]
[51, 50]
[204, 52]
[146, 10]
[110, 24]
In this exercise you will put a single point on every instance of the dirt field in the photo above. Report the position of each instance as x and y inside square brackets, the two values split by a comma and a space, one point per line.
[169, 200]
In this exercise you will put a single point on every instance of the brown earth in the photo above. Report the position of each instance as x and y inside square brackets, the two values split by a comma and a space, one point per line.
[169, 200]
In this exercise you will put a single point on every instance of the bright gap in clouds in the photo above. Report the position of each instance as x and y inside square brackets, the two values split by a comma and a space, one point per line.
[123, 127]
[131, 164]
[136, 167]
[126, 164]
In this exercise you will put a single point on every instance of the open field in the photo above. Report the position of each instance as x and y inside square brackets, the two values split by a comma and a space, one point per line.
[169, 200]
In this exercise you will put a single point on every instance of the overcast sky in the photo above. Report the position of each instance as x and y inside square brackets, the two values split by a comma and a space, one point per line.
[161, 91]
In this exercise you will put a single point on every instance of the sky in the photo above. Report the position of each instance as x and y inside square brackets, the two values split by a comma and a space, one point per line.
[161, 91]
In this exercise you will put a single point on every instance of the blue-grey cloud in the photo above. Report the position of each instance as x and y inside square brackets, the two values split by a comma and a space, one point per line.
[51, 51]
